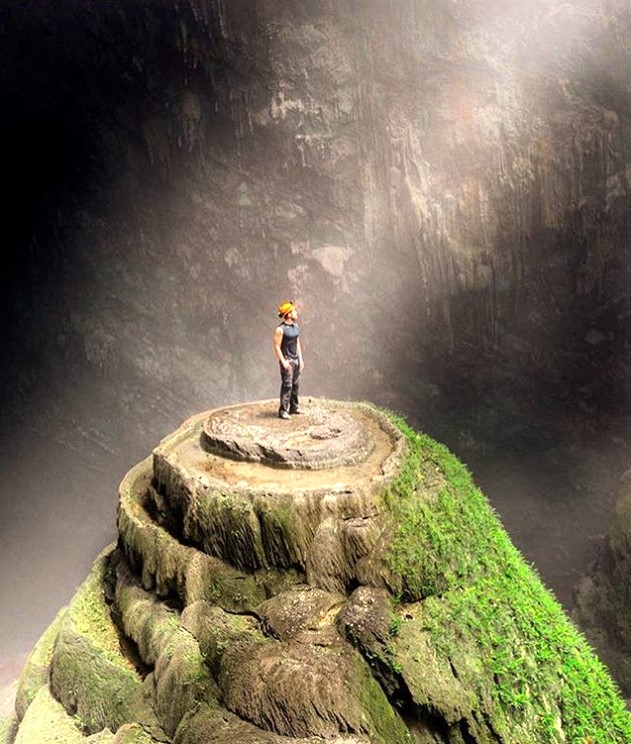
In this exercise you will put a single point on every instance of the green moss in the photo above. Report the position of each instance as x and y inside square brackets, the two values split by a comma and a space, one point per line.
[228, 528]
[383, 724]
[182, 680]
[90, 614]
[147, 622]
[169, 566]
[84, 680]
[207, 722]
[282, 533]
[89, 674]
[180, 675]
[487, 613]
[217, 631]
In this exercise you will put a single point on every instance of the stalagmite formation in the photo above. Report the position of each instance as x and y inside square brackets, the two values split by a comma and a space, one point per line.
[334, 578]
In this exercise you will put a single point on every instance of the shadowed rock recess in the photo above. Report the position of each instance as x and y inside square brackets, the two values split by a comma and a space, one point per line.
[334, 578]
[603, 596]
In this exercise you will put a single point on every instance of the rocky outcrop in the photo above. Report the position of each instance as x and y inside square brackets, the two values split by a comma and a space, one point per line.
[603, 596]
[376, 600]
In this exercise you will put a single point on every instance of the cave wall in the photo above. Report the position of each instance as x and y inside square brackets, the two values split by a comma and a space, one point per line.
[446, 199]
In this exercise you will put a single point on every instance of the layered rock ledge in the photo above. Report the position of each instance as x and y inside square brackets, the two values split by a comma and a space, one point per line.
[335, 578]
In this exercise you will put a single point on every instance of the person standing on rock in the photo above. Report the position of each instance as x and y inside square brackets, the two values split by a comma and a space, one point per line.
[289, 355]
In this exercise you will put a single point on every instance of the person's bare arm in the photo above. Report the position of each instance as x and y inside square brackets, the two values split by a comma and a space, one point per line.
[278, 337]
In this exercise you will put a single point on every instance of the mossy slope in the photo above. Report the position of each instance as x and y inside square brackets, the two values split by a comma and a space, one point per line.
[46, 722]
[477, 635]
[89, 674]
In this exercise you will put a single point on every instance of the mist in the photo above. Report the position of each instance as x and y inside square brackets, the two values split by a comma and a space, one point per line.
[441, 187]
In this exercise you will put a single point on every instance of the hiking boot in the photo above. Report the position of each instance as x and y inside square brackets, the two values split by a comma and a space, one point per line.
[297, 409]
[284, 415]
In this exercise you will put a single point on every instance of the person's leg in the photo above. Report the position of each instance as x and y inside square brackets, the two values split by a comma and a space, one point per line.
[295, 387]
[286, 378]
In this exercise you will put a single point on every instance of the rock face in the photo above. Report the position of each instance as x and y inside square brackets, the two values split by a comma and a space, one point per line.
[603, 596]
[310, 596]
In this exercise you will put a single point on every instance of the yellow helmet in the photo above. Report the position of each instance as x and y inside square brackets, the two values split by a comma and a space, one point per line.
[286, 307]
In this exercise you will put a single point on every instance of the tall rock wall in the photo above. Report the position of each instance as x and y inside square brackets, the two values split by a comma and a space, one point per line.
[442, 186]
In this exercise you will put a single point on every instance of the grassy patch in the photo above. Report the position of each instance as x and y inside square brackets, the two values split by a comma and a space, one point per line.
[537, 679]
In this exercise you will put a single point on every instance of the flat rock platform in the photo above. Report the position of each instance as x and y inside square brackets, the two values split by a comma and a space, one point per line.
[323, 436]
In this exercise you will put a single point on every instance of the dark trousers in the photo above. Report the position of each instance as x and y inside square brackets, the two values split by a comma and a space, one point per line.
[289, 386]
